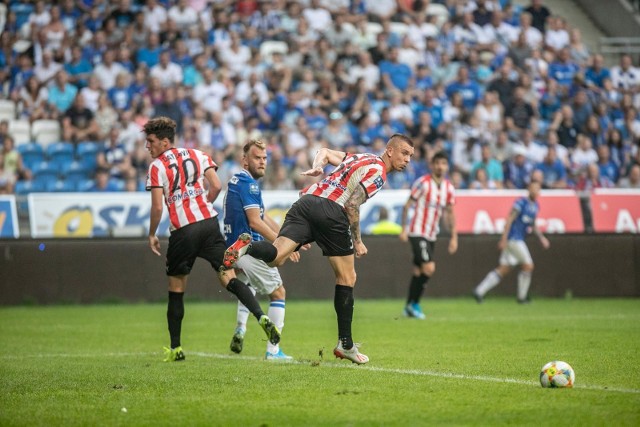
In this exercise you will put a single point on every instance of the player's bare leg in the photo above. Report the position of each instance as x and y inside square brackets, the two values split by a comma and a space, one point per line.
[344, 269]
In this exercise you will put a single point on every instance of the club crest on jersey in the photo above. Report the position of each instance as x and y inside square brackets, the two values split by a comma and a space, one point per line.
[378, 182]
[254, 188]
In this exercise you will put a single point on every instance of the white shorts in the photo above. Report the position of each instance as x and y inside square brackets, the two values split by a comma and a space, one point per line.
[258, 274]
[515, 253]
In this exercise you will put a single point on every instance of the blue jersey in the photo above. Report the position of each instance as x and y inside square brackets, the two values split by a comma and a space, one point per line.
[243, 193]
[527, 212]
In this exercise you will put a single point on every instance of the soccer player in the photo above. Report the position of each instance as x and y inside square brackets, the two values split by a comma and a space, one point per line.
[178, 176]
[430, 196]
[328, 213]
[244, 213]
[514, 249]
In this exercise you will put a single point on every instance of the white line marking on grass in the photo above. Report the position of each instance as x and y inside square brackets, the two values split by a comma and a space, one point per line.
[416, 372]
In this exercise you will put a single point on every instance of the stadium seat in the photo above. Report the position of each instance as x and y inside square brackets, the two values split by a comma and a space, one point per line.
[60, 154]
[45, 172]
[60, 186]
[75, 173]
[20, 130]
[23, 188]
[46, 132]
[87, 153]
[7, 110]
[399, 28]
[374, 28]
[84, 185]
[32, 154]
[440, 11]
[269, 47]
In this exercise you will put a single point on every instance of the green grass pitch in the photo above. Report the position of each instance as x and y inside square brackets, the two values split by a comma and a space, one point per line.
[467, 364]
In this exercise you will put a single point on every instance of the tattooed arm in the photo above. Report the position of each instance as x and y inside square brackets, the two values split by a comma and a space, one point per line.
[352, 206]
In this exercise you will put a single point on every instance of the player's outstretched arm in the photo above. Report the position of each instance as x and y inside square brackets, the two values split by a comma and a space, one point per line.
[323, 157]
[543, 240]
[507, 226]
[352, 207]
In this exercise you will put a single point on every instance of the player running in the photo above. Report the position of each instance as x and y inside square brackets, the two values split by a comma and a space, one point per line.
[177, 175]
[430, 196]
[328, 213]
[244, 213]
[514, 249]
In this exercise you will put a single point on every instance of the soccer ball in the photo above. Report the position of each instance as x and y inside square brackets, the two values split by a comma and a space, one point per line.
[557, 374]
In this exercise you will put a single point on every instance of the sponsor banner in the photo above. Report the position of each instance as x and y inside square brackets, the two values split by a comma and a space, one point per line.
[486, 212]
[8, 218]
[99, 214]
[616, 210]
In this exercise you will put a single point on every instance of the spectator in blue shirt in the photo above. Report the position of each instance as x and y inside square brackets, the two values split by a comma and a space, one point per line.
[553, 170]
[62, 93]
[393, 73]
[120, 95]
[469, 89]
[563, 70]
[150, 53]
[79, 68]
[596, 73]
[492, 167]
[517, 170]
[608, 169]
[103, 182]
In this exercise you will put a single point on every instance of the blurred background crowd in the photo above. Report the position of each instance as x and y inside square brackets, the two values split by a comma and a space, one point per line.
[510, 91]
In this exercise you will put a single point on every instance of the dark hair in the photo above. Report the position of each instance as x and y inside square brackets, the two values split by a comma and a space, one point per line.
[161, 127]
[440, 155]
[400, 137]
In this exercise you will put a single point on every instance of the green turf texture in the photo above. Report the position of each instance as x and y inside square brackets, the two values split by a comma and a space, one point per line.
[467, 364]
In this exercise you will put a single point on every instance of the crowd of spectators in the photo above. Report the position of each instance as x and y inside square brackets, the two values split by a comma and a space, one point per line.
[509, 92]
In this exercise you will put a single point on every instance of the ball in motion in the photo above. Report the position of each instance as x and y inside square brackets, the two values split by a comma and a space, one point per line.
[557, 374]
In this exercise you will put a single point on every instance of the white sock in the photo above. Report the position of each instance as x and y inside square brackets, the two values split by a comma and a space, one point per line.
[524, 280]
[276, 314]
[242, 314]
[489, 282]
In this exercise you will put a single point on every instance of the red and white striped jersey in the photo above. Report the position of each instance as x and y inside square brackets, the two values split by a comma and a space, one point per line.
[431, 199]
[180, 174]
[367, 170]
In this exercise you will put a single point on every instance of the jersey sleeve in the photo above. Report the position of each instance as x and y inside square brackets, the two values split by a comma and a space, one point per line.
[372, 181]
[207, 162]
[155, 177]
[519, 204]
[249, 194]
[416, 189]
[451, 194]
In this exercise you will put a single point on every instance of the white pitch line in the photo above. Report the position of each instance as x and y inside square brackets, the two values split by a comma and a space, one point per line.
[416, 372]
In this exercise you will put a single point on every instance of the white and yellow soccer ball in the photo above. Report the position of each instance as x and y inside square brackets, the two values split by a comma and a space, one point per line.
[557, 374]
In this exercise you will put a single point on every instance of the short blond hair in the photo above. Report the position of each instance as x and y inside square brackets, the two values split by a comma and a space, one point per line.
[254, 142]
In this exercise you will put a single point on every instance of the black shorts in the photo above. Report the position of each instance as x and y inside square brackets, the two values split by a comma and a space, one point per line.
[320, 220]
[423, 250]
[201, 239]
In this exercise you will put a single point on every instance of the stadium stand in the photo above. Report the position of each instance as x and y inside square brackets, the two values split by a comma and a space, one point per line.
[280, 70]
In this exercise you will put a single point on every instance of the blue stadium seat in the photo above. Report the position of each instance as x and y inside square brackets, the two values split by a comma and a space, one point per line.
[87, 153]
[23, 188]
[32, 154]
[84, 185]
[60, 154]
[60, 186]
[45, 172]
[75, 172]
